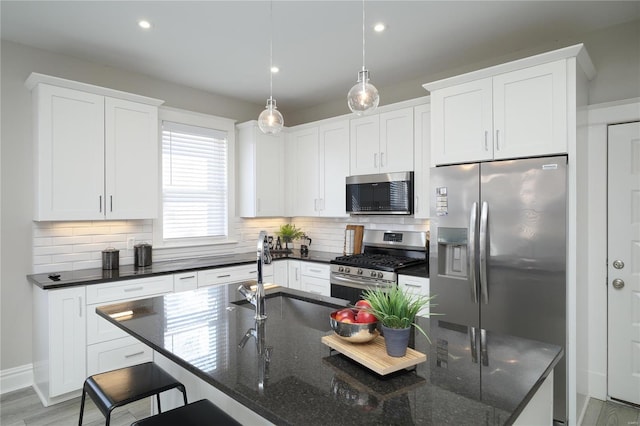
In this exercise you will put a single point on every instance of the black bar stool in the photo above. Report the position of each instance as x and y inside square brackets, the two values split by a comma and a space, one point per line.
[125, 385]
[200, 413]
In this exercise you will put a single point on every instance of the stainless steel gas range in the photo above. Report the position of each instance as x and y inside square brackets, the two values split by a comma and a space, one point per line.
[385, 254]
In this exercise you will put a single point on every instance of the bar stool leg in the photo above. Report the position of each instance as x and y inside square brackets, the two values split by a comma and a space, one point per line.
[82, 406]
[158, 398]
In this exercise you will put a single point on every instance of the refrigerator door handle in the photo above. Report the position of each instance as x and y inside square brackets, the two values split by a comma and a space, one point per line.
[474, 345]
[484, 354]
[484, 216]
[471, 252]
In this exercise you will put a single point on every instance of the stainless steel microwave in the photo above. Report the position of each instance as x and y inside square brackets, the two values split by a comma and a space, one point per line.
[384, 193]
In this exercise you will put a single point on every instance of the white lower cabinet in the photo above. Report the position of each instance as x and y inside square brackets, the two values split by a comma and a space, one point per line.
[315, 278]
[108, 346]
[59, 343]
[417, 285]
[281, 273]
[295, 274]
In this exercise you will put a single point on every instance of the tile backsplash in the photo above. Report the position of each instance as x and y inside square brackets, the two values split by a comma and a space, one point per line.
[66, 246]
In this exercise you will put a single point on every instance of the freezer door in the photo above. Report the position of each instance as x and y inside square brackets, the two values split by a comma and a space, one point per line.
[453, 235]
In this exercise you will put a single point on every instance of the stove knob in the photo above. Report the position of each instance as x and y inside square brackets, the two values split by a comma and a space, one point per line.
[340, 269]
[359, 271]
[347, 270]
[380, 274]
[373, 274]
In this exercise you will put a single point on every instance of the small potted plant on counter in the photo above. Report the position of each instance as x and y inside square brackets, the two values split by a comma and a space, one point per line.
[288, 233]
[396, 309]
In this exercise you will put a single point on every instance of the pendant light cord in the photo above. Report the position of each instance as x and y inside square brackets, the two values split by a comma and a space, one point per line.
[271, 50]
[363, 66]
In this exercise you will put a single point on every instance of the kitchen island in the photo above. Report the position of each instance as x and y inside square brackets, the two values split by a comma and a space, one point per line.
[282, 373]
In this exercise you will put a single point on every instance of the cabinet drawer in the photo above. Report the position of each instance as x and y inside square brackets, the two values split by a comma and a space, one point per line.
[129, 289]
[313, 269]
[233, 274]
[418, 285]
[118, 353]
[99, 329]
[316, 285]
[185, 281]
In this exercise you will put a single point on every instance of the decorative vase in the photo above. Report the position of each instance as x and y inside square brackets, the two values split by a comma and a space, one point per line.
[396, 340]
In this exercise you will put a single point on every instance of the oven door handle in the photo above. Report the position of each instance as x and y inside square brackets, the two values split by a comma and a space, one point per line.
[349, 282]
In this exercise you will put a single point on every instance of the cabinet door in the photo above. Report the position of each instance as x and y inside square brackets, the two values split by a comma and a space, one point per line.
[185, 281]
[461, 119]
[416, 285]
[131, 137]
[67, 340]
[316, 285]
[396, 141]
[365, 145]
[422, 159]
[334, 168]
[295, 274]
[270, 174]
[69, 154]
[305, 197]
[530, 111]
[281, 273]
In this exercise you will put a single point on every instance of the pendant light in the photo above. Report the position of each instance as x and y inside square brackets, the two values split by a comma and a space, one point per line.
[270, 120]
[363, 96]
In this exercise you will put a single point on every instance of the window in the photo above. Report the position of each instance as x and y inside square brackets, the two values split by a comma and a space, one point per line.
[196, 154]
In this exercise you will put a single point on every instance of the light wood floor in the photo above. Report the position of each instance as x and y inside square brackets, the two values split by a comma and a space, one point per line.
[23, 408]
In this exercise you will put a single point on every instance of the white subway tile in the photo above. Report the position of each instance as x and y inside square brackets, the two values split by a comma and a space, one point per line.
[70, 240]
[89, 248]
[108, 238]
[41, 241]
[51, 267]
[49, 250]
[86, 264]
[92, 230]
[52, 232]
[41, 260]
[70, 257]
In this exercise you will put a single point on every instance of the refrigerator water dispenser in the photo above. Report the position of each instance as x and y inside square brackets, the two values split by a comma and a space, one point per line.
[452, 252]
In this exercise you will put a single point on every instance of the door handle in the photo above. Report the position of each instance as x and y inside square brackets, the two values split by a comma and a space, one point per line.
[471, 252]
[474, 345]
[618, 284]
[484, 217]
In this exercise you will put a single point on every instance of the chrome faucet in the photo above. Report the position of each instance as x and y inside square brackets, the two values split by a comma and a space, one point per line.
[256, 297]
[263, 351]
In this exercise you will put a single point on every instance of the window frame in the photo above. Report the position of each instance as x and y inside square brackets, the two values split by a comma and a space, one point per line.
[191, 118]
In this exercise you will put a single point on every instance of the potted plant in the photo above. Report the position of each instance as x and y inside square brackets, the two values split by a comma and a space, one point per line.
[396, 309]
[288, 233]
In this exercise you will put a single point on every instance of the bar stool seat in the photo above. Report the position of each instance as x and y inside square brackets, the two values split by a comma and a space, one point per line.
[200, 413]
[120, 387]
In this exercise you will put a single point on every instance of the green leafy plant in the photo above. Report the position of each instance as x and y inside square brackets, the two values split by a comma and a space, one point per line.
[397, 308]
[289, 232]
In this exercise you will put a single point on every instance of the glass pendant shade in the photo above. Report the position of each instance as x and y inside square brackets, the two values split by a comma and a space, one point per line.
[363, 96]
[270, 120]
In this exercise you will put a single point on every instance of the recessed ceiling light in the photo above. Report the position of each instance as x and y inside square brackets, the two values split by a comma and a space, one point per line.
[379, 27]
[274, 69]
[144, 24]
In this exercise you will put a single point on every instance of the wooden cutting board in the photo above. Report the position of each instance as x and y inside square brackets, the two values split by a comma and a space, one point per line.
[373, 354]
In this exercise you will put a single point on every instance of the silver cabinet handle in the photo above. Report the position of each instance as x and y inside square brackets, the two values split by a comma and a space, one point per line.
[484, 217]
[187, 278]
[486, 136]
[111, 203]
[100, 202]
[618, 264]
[80, 307]
[618, 284]
[413, 285]
[133, 289]
[135, 354]
[375, 160]
[498, 140]
[224, 276]
[471, 252]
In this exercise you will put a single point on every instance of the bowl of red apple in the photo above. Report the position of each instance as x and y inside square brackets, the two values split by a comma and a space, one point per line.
[355, 325]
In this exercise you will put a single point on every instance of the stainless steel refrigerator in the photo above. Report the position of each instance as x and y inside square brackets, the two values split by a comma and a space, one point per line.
[497, 257]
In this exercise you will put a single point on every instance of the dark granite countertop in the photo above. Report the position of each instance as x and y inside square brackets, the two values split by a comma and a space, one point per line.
[127, 272]
[416, 271]
[307, 384]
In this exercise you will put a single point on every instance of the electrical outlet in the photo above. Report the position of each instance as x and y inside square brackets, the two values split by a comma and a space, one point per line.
[131, 241]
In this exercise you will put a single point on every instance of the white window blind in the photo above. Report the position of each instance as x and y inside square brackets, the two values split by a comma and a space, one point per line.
[194, 181]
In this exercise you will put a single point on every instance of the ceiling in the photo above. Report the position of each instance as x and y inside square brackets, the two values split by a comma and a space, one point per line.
[223, 46]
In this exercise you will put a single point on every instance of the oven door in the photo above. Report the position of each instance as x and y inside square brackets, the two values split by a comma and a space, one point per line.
[350, 288]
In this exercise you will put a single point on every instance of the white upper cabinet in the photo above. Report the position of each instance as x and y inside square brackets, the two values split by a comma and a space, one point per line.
[382, 143]
[513, 110]
[319, 164]
[260, 172]
[422, 149]
[96, 156]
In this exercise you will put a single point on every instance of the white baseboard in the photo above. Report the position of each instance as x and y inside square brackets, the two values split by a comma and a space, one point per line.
[16, 378]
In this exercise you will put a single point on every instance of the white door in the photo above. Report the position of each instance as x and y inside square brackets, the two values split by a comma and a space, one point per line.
[365, 145]
[396, 141]
[334, 167]
[304, 144]
[624, 262]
